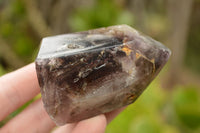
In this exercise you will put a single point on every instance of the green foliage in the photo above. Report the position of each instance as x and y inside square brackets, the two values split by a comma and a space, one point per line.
[14, 28]
[2, 71]
[145, 125]
[18, 8]
[186, 107]
[160, 111]
[157, 110]
[6, 29]
[103, 13]
[24, 46]
[192, 51]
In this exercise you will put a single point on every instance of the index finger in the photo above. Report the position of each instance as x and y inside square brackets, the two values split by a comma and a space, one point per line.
[16, 88]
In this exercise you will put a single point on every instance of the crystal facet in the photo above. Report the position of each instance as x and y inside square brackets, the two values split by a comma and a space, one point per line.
[93, 72]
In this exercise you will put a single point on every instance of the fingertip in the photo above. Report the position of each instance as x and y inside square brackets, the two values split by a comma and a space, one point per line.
[95, 124]
[111, 115]
[65, 129]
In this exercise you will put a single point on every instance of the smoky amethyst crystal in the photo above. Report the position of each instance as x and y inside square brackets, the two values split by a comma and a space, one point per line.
[88, 73]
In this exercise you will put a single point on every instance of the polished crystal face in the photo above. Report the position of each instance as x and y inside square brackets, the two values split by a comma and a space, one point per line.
[93, 72]
[70, 44]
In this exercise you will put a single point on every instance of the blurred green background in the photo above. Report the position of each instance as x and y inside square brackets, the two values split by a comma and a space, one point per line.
[171, 104]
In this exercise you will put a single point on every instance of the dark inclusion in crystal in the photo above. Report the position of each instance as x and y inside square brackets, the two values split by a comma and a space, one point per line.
[89, 73]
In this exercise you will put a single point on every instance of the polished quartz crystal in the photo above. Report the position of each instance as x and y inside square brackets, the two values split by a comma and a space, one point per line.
[93, 72]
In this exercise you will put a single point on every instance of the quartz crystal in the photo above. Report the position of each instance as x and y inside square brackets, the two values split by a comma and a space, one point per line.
[93, 72]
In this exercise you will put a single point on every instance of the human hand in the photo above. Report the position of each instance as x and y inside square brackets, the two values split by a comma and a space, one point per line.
[18, 87]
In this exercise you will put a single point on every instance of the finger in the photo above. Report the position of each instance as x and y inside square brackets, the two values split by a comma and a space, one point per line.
[111, 115]
[33, 119]
[65, 129]
[95, 124]
[16, 88]
[84, 126]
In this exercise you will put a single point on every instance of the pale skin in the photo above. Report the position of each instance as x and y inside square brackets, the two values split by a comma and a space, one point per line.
[20, 86]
